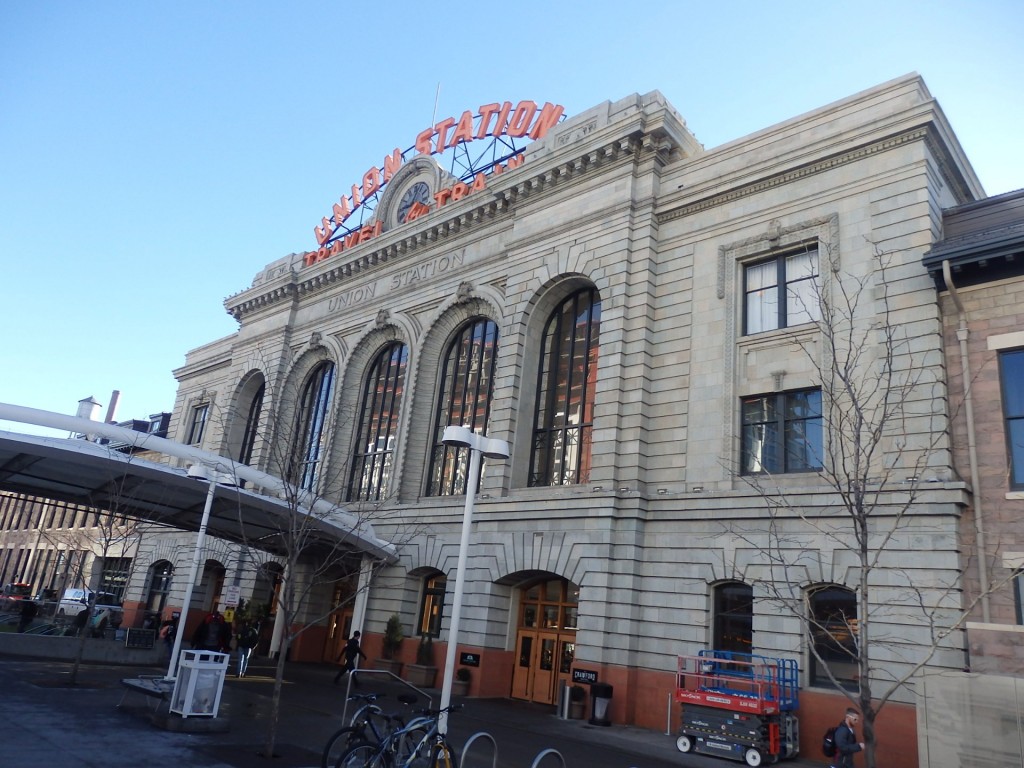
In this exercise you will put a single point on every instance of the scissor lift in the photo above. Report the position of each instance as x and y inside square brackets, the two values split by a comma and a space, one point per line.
[738, 706]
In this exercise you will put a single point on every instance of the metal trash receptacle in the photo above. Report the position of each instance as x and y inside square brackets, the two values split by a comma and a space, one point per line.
[199, 683]
[601, 694]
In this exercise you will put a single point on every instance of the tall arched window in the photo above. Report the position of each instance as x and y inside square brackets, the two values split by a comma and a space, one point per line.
[733, 617]
[432, 605]
[566, 384]
[832, 627]
[467, 379]
[378, 425]
[314, 406]
[252, 426]
[160, 574]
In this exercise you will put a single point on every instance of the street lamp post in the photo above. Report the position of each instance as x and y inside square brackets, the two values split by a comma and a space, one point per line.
[478, 445]
[212, 477]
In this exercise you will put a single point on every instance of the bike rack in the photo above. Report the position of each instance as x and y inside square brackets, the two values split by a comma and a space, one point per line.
[407, 684]
[481, 735]
[547, 752]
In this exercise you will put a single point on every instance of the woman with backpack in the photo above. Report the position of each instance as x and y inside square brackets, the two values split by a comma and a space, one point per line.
[247, 638]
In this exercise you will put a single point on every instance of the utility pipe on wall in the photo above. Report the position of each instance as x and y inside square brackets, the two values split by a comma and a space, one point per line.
[963, 333]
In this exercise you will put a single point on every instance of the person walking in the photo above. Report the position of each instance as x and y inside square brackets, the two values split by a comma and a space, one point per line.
[846, 740]
[29, 609]
[213, 634]
[351, 653]
[247, 637]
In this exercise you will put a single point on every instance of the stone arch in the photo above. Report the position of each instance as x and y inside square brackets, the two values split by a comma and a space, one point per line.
[249, 396]
[529, 322]
[451, 317]
[286, 406]
[348, 396]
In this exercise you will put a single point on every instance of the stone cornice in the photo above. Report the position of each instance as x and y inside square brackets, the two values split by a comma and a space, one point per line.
[810, 169]
[496, 204]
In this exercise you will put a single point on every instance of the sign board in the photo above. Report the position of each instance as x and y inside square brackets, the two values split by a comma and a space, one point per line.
[231, 596]
[469, 659]
[587, 676]
[140, 638]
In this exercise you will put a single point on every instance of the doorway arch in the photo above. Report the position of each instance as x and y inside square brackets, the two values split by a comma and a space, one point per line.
[545, 638]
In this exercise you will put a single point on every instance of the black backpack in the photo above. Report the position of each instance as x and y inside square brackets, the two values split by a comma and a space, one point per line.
[828, 742]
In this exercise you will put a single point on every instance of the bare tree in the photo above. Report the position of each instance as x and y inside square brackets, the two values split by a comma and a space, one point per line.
[884, 424]
[319, 545]
[111, 536]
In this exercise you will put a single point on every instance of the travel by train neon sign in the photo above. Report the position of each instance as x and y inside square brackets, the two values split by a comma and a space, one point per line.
[490, 121]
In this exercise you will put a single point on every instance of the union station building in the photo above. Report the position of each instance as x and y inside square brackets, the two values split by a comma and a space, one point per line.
[661, 333]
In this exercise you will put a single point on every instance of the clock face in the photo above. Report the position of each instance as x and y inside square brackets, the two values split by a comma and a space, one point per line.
[417, 193]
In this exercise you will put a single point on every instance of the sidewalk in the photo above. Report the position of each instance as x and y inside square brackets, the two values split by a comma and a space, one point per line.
[49, 722]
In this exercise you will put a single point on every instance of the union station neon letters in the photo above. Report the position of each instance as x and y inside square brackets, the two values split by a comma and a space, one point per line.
[526, 119]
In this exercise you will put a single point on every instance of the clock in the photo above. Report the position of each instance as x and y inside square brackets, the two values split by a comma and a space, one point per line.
[417, 193]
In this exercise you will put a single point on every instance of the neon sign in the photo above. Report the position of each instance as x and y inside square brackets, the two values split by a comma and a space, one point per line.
[524, 120]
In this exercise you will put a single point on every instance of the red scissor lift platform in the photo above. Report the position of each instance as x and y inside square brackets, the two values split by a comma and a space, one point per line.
[739, 706]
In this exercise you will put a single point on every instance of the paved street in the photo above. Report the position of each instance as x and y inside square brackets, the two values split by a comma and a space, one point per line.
[49, 723]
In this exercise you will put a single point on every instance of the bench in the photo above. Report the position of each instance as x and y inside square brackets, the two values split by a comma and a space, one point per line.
[154, 688]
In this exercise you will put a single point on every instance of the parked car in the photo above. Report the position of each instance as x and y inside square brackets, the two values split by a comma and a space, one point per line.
[12, 595]
[107, 609]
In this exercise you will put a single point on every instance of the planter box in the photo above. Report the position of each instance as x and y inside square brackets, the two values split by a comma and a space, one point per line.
[388, 665]
[460, 687]
[420, 676]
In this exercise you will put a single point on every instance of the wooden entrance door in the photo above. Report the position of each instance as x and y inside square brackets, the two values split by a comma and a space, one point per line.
[537, 667]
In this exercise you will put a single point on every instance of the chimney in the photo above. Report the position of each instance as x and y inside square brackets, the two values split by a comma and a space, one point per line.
[88, 408]
[115, 397]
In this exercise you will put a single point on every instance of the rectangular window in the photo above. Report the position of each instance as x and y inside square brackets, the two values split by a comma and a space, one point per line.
[781, 292]
[1011, 379]
[782, 432]
[1018, 596]
[195, 432]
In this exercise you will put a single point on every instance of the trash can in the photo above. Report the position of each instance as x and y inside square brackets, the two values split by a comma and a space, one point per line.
[601, 693]
[199, 683]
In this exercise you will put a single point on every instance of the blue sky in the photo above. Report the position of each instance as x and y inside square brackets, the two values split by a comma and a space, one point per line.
[155, 156]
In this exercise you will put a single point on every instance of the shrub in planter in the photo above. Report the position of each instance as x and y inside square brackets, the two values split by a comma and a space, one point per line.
[460, 685]
[423, 672]
[425, 651]
[392, 641]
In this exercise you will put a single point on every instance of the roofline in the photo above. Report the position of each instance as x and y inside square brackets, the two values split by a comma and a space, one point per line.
[306, 502]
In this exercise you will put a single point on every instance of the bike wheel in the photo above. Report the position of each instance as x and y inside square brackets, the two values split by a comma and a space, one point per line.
[362, 756]
[339, 743]
[412, 749]
[444, 756]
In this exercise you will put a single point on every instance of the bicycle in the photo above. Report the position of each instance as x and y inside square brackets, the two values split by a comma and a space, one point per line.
[368, 725]
[416, 745]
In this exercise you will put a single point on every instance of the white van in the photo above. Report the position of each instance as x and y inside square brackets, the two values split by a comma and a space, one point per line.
[73, 602]
[107, 609]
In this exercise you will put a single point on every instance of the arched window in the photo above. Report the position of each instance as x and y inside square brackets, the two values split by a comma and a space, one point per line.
[252, 426]
[432, 607]
[566, 383]
[314, 406]
[467, 379]
[832, 627]
[378, 425]
[732, 623]
[160, 574]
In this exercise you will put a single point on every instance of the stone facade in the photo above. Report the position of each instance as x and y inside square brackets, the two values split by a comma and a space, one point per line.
[622, 199]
